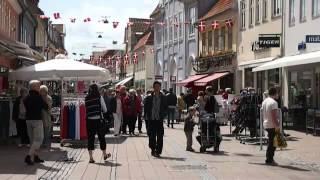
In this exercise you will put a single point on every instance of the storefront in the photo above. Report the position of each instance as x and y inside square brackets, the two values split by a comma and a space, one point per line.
[300, 83]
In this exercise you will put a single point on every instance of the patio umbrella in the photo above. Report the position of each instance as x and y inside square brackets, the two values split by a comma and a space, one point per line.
[60, 69]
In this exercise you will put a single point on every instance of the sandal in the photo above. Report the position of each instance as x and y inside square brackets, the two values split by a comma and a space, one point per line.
[91, 161]
[107, 156]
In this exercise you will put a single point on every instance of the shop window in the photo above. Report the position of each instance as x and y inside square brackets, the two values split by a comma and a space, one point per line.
[260, 82]
[248, 78]
[300, 92]
[273, 77]
[181, 25]
[175, 27]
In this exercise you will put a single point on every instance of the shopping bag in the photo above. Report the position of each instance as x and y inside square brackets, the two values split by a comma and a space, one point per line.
[279, 141]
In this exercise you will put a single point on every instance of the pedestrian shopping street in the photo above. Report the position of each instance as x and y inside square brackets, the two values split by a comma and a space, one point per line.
[131, 159]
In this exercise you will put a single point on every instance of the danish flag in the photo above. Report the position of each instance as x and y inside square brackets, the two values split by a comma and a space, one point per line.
[73, 20]
[135, 58]
[229, 23]
[56, 15]
[215, 25]
[110, 60]
[126, 59]
[115, 24]
[87, 19]
[202, 26]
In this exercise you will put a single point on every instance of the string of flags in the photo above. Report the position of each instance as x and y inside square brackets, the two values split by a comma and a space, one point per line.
[202, 25]
[111, 61]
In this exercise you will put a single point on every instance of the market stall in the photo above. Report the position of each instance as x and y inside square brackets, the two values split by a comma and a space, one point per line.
[65, 70]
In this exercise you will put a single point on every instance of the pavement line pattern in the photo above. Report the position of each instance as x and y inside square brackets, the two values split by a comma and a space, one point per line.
[62, 168]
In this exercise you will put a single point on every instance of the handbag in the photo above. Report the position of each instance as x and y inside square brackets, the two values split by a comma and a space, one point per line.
[279, 141]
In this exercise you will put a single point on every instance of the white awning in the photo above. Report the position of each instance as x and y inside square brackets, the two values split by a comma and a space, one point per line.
[308, 58]
[254, 63]
[123, 82]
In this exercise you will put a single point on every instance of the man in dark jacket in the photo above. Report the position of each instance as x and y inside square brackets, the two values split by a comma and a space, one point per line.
[155, 108]
[189, 99]
[172, 104]
[34, 104]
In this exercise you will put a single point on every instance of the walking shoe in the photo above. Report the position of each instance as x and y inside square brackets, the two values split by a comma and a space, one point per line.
[91, 161]
[191, 150]
[271, 163]
[157, 155]
[38, 160]
[153, 153]
[28, 160]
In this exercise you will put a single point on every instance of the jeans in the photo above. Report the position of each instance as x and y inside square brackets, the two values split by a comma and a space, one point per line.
[189, 139]
[95, 126]
[35, 132]
[271, 149]
[156, 132]
[47, 135]
[171, 111]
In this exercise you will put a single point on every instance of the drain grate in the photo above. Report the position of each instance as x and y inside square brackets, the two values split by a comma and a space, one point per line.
[188, 167]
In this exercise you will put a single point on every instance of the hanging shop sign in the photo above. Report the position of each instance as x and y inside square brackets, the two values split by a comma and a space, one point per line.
[158, 77]
[173, 78]
[312, 38]
[269, 41]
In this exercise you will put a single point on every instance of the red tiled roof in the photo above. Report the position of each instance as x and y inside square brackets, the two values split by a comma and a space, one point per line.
[219, 7]
[146, 39]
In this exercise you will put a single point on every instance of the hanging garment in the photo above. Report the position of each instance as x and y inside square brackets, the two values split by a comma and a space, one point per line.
[64, 122]
[77, 122]
[72, 122]
[83, 124]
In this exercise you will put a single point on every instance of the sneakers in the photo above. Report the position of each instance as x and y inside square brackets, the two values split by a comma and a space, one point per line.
[38, 160]
[28, 160]
[190, 149]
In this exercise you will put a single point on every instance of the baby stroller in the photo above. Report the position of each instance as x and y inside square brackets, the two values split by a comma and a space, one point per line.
[209, 133]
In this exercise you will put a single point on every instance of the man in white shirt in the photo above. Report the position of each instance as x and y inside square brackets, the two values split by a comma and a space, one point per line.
[270, 122]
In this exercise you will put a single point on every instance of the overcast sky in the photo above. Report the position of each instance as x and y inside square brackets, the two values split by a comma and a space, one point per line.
[82, 36]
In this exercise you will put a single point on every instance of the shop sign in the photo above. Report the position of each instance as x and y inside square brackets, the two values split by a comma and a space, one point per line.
[312, 38]
[158, 77]
[173, 78]
[271, 41]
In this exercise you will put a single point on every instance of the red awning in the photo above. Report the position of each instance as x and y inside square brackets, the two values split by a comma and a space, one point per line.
[190, 79]
[206, 80]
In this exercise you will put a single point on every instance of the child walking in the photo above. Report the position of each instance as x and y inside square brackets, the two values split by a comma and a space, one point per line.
[189, 124]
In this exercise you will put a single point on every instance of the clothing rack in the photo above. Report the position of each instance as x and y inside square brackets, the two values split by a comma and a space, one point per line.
[73, 124]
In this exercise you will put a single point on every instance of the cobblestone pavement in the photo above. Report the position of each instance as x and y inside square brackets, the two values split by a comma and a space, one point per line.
[131, 159]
